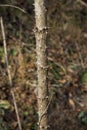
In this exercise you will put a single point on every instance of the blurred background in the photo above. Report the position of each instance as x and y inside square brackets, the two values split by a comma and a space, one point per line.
[67, 59]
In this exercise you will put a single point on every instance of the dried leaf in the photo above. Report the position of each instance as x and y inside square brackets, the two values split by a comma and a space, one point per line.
[4, 104]
[72, 103]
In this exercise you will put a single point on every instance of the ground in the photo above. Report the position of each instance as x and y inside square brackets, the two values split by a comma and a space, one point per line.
[67, 60]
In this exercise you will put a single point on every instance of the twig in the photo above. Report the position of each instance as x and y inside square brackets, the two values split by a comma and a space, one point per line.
[82, 3]
[9, 73]
[13, 6]
[80, 56]
[45, 111]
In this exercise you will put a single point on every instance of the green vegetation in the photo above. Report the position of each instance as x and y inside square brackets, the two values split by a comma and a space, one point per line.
[83, 117]
[67, 64]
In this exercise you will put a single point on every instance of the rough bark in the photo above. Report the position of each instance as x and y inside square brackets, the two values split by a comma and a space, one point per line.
[41, 36]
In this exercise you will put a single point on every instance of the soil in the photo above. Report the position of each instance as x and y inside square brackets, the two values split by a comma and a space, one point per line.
[67, 59]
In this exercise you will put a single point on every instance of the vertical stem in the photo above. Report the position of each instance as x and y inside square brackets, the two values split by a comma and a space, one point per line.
[41, 49]
[9, 74]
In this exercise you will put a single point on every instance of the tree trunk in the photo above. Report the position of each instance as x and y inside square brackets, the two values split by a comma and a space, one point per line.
[41, 36]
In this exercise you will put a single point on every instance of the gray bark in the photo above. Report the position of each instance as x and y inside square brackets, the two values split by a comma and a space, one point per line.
[41, 36]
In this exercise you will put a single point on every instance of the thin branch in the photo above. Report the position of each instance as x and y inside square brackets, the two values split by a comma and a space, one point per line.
[45, 111]
[13, 6]
[9, 73]
[80, 56]
[82, 3]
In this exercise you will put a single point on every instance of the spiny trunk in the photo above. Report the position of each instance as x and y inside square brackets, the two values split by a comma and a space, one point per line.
[41, 36]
